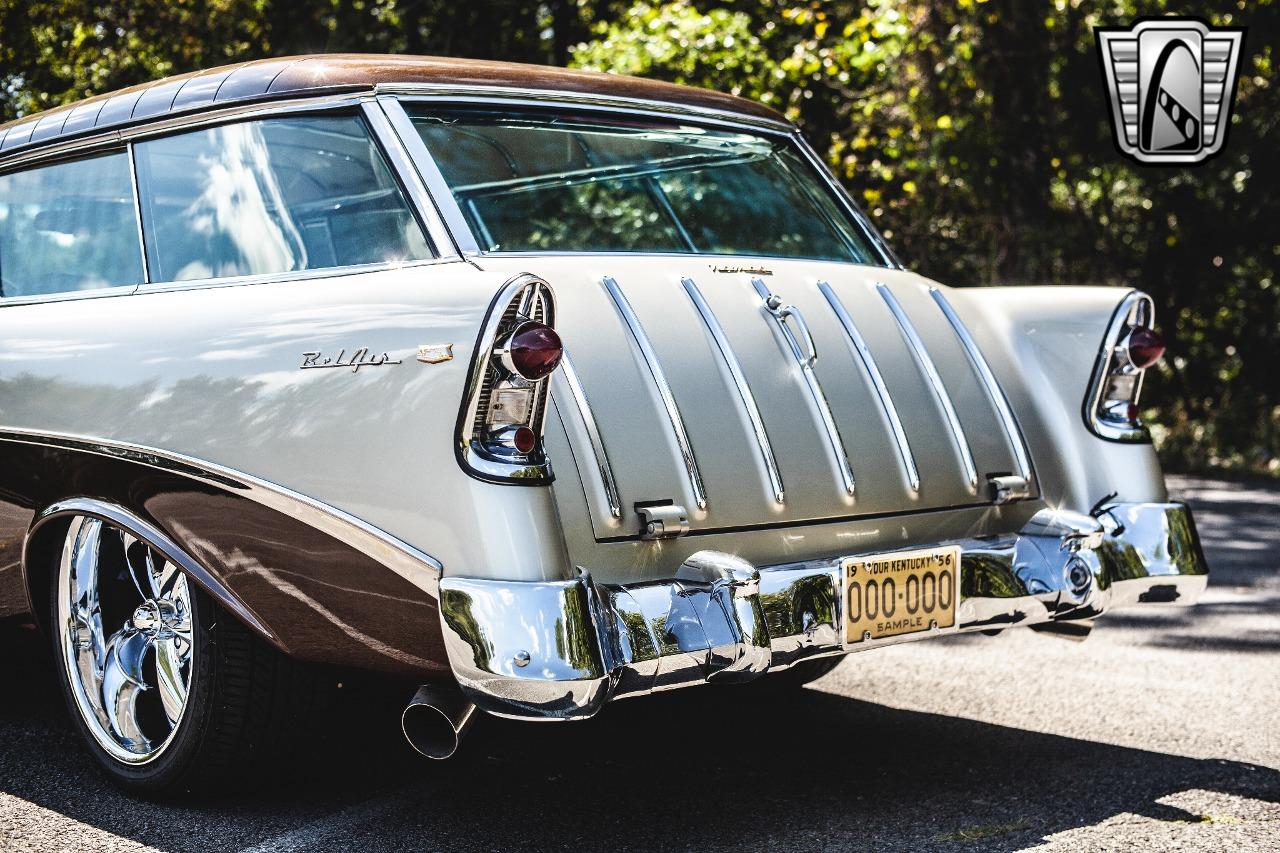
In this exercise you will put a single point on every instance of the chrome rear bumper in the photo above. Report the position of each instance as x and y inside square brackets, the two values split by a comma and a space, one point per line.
[561, 650]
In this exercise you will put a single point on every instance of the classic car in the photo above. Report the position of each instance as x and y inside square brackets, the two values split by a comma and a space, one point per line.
[537, 388]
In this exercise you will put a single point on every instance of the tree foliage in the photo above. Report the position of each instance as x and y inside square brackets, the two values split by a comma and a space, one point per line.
[974, 132]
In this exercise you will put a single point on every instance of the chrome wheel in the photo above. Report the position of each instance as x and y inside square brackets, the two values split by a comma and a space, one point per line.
[125, 622]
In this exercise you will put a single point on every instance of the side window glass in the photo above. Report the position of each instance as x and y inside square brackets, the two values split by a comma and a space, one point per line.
[69, 226]
[271, 196]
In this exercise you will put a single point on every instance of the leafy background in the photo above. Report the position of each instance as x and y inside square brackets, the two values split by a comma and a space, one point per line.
[973, 131]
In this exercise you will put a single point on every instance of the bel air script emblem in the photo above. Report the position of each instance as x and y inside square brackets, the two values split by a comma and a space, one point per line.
[362, 357]
[1171, 82]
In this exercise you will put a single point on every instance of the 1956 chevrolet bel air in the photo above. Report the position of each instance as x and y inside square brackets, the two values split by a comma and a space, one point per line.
[540, 388]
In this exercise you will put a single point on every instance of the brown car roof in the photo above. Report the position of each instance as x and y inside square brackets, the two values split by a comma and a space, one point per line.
[295, 76]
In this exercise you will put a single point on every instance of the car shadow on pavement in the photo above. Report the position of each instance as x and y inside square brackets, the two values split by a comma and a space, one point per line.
[703, 769]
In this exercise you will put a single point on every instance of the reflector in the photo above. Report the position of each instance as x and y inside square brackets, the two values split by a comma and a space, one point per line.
[524, 440]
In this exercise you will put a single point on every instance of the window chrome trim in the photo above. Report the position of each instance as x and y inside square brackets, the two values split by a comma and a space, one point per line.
[989, 384]
[805, 359]
[137, 212]
[641, 339]
[400, 163]
[748, 399]
[930, 372]
[580, 101]
[437, 189]
[211, 283]
[498, 97]
[872, 369]
[286, 277]
[159, 126]
[869, 232]
[68, 295]
[588, 418]
[415, 566]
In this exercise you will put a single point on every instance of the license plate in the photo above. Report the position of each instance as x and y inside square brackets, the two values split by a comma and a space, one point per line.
[905, 592]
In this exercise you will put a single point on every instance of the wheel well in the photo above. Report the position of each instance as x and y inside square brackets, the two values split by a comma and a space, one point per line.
[39, 561]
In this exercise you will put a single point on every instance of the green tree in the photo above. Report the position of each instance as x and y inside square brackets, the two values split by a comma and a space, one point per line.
[974, 132]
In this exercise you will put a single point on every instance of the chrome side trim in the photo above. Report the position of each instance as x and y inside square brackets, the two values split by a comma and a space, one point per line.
[935, 382]
[417, 567]
[593, 434]
[154, 537]
[805, 358]
[632, 322]
[877, 381]
[989, 384]
[740, 384]
[1136, 308]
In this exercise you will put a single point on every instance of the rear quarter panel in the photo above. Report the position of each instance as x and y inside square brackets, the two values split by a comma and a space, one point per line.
[1042, 344]
[212, 373]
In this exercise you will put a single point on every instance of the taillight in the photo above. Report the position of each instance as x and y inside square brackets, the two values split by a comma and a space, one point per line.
[532, 351]
[500, 426]
[1144, 347]
[1129, 350]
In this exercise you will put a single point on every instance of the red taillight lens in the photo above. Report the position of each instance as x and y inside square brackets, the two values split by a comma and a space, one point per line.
[533, 350]
[1146, 347]
[524, 440]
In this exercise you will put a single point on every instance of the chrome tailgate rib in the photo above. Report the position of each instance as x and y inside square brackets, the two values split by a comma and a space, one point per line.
[708, 391]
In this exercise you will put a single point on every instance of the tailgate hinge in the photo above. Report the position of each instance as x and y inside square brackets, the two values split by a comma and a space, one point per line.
[662, 521]
[1008, 487]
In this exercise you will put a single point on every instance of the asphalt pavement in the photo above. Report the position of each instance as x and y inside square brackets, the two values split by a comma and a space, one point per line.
[1161, 731]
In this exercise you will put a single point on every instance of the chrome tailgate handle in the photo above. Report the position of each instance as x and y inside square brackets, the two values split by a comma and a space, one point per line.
[790, 321]
[807, 355]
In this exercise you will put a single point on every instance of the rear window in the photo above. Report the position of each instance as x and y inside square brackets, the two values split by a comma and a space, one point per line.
[557, 182]
[70, 226]
[272, 196]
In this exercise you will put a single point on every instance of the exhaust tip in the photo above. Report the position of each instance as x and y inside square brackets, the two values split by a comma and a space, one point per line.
[435, 720]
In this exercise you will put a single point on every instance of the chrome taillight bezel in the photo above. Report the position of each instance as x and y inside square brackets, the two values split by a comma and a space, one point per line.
[1137, 310]
[487, 453]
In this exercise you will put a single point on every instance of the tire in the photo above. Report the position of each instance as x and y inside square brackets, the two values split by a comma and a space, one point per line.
[226, 698]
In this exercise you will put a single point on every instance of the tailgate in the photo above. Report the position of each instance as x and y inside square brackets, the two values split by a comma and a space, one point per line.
[850, 394]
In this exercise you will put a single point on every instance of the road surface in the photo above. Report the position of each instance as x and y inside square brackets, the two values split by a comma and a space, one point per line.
[1161, 731]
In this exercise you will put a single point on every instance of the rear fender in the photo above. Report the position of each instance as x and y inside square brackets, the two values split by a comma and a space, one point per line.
[1043, 344]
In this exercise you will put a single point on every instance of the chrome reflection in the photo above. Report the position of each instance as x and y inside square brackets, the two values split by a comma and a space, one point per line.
[806, 356]
[560, 650]
[930, 372]
[579, 396]
[877, 382]
[740, 385]
[632, 322]
[435, 720]
[130, 685]
[989, 384]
